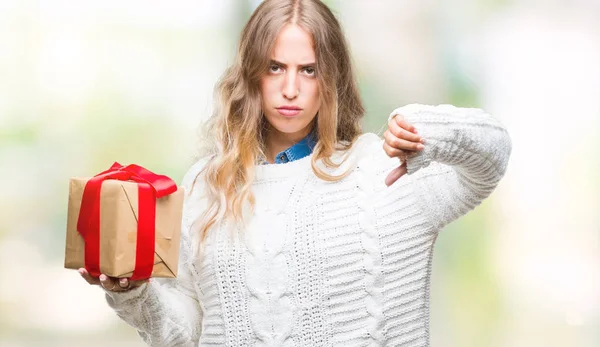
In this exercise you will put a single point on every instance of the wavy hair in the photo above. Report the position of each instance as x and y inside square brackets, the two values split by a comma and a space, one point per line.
[235, 135]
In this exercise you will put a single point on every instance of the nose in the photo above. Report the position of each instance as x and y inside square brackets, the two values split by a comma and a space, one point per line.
[290, 85]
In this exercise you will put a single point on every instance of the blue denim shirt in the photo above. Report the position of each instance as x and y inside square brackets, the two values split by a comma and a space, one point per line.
[298, 151]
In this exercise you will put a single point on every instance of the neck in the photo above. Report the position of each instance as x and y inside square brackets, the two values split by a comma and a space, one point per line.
[278, 141]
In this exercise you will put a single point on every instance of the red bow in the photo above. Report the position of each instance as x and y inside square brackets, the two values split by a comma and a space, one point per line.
[150, 187]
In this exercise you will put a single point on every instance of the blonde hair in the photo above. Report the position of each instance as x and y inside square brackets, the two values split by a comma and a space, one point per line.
[235, 134]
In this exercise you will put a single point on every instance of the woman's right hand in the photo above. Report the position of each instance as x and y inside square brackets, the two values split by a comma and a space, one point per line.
[112, 284]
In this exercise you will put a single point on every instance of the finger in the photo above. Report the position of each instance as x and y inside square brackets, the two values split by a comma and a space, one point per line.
[108, 283]
[393, 152]
[124, 283]
[399, 119]
[406, 125]
[87, 277]
[395, 174]
[403, 123]
[397, 143]
[403, 133]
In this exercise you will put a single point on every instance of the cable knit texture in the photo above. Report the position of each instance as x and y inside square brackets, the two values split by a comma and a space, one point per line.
[343, 263]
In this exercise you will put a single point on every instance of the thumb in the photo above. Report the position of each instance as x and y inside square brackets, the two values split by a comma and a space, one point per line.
[395, 174]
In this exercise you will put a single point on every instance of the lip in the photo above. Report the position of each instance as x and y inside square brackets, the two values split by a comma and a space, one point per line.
[289, 111]
[289, 107]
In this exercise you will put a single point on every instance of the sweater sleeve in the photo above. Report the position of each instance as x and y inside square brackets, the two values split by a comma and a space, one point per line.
[166, 311]
[465, 156]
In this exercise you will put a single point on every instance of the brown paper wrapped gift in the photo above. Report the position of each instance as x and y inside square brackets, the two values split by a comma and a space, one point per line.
[118, 229]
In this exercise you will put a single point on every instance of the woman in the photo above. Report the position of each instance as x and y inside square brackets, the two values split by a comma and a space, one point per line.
[299, 230]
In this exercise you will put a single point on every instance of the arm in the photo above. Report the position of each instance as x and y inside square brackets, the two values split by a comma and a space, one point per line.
[166, 311]
[465, 155]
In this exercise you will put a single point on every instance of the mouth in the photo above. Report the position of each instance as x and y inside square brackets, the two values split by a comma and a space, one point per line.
[289, 111]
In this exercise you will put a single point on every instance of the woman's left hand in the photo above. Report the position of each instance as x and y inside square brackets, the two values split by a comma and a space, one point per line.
[402, 141]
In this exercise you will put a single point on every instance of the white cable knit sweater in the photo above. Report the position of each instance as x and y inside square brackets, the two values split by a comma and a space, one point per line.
[346, 263]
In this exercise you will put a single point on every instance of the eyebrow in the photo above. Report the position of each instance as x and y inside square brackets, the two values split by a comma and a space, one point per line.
[273, 61]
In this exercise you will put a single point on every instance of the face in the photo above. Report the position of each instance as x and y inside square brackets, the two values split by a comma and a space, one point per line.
[290, 93]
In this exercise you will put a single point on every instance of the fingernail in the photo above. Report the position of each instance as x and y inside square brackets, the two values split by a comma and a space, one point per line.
[420, 146]
[422, 140]
[103, 277]
[80, 272]
[123, 280]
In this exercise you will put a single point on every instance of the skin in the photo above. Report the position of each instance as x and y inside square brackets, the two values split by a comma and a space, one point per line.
[401, 140]
[292, 81]
[112, 284]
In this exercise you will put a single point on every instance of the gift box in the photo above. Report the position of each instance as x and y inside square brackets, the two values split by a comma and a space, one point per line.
[124, 222]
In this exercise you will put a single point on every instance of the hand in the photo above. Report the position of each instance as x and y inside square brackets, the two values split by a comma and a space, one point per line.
[402, 141]
[112, 284]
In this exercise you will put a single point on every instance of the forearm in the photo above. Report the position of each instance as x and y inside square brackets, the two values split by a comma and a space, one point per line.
[162, 312]
[474, 148]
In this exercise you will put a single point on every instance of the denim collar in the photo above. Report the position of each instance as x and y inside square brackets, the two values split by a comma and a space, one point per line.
[297, 151]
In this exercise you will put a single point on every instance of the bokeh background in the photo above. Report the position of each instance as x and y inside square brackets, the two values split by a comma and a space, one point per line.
[86, 83]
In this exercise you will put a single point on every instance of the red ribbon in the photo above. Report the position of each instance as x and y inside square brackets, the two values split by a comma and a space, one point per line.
[150, 187]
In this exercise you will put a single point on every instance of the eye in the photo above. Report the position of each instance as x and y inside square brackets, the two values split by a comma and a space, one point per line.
[310, 71]
[274, 68]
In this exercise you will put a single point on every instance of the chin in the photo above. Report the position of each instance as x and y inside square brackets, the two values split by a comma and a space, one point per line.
[288, 126]
[288, 130]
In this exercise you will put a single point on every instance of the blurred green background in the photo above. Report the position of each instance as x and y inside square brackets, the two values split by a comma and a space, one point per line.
[87, 83]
